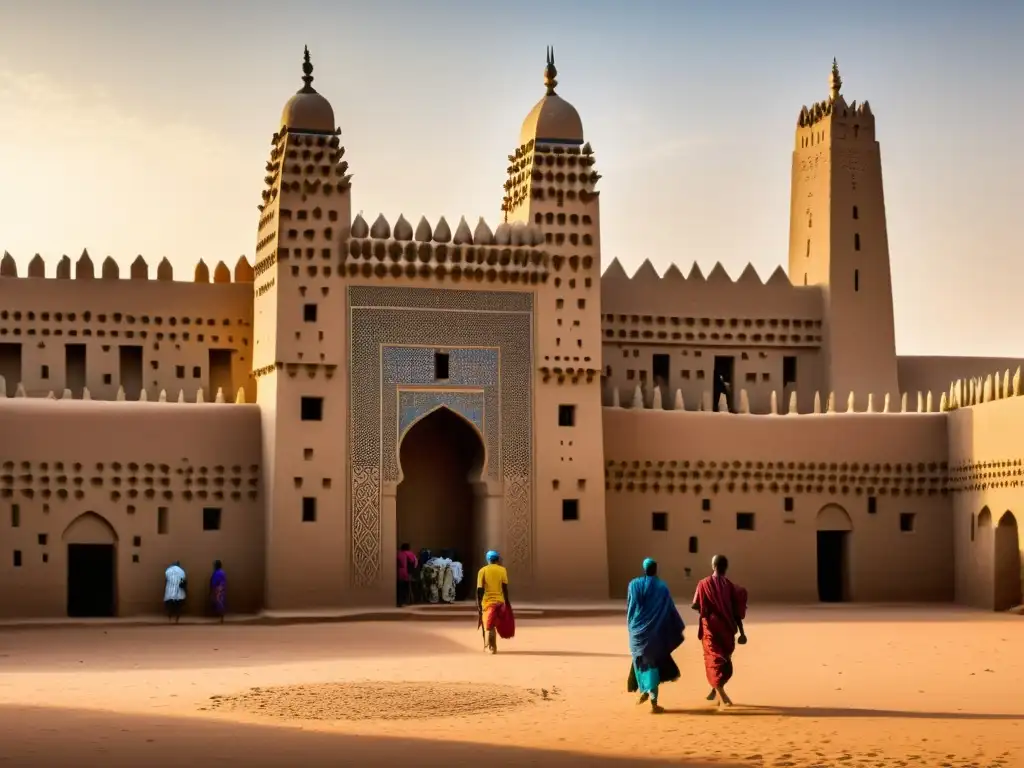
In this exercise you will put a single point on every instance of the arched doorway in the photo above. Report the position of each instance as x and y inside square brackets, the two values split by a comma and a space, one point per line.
[834, 529]
[92, 566]
[440, 459]
[1007, 572]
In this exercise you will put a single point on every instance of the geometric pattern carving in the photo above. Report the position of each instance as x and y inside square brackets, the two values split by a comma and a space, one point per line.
[394, 333]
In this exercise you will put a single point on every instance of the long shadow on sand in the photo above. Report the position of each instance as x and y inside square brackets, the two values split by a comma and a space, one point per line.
[829, 712]
[39, 736]
[566, 654]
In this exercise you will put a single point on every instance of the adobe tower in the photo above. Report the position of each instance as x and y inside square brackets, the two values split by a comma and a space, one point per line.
[838, 240]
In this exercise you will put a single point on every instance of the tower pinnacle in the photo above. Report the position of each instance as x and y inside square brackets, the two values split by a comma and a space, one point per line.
[835, 82]
[307, 72]
[550, 73]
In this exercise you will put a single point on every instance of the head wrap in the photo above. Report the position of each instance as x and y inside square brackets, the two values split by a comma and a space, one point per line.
[492, 556]
[648, 563]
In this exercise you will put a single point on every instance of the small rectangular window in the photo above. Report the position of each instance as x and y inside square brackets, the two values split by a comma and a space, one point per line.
[312, 408]
[570, 509]
[567, 415]
[15, 516]
[788, 503]
[441, 366]
[788, 370]
[856, 280]
[744, 521]
[41, 538]
[856, 213]
[179, 371]
[307, 454]
[308, 509]
[581, 303]
[659, 521]
[856, 241]
[660, 369]
[872, 505]
[136, 541]
[309, 313]
[693, 547]
[44, 372]
[907, 522]
[161, 521]
[17, 558]
[211, 518]
[108, 378]
[197, 372]
[705, 505]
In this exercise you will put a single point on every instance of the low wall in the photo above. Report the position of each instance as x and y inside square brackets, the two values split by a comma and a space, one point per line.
[788, 476]
[136, 475]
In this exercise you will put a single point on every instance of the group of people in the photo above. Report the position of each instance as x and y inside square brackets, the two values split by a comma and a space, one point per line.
[176, 584]
[656, 631]
[427, 578]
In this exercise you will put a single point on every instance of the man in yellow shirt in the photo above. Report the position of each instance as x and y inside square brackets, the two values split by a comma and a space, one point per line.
[492, 601]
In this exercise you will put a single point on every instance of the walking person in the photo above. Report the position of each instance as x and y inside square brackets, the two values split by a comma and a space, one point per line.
[655, 631]
[175, 583]
[722, 607]
[493, 604]
[218, 590]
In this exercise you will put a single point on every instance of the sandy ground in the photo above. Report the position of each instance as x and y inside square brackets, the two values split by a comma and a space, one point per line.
[846, 686]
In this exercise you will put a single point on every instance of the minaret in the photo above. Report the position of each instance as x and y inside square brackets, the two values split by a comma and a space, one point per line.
[551, 183]
[299, 328]
[838, 239]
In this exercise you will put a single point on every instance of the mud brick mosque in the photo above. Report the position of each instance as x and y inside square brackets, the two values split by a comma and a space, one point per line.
[458, 385]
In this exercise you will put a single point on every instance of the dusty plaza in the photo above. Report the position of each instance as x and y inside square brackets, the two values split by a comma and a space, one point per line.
[816, 686]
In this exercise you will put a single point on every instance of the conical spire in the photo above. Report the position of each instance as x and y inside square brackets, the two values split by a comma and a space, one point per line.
[550, 73]
[307, 72]
[835, 82]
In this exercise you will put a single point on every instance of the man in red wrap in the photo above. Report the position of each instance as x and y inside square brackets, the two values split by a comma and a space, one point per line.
[722, 607]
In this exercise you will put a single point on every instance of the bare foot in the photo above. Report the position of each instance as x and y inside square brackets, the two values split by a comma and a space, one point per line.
[643, 698]
[724, 696]
[711, 696]
[656, 708]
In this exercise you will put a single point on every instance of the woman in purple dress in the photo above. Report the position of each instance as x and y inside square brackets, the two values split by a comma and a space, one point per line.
[219, 590]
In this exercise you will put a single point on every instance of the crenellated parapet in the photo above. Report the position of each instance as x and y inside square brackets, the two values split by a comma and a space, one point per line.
[649, 398]
[965, 393]
[84, 269]
[716, 310]
[66, 395]
[512, 253]
[823, 110]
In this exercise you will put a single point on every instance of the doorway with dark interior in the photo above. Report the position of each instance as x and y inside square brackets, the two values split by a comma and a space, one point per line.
[91, 580]
[832, 566]
[722, 384]
[441, 457]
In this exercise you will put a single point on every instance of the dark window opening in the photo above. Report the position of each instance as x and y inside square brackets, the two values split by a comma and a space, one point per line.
[10, 366]
[705, 505]
[179, 371]
[856, 213]
[441, 366]
[659, 521]
[570, 509]
[220, 367]
[659, 370]
[312, 409]
[161, 521]
[788, 370]
[722, 385]
[907, 522]
[136, 541]
[41, 538]
[308, 509]
[44, 372]
[788, 503]
[211, 518]
[74, 368]
[856, 279]
[856, 242]
[693, 545]
[309, 313]
[744, 521]
[972, 526]
[108, 378]
[129, 371]
[15, 516]
[872, 505]
[17, 558]
[567, 415]
[197, 372]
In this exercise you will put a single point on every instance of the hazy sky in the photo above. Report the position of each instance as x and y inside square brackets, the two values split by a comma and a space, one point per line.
[144, 127]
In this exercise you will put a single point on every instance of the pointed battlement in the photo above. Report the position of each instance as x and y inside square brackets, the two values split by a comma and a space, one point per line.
[511, 253]
[84, 269]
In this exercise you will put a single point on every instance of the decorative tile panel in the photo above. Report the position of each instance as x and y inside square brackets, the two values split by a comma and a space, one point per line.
[488, 336]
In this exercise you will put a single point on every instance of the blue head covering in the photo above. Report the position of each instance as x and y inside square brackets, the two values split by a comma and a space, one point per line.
[492, 556]
[648, 563]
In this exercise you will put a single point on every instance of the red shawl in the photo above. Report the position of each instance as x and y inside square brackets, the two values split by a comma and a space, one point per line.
[717, 597]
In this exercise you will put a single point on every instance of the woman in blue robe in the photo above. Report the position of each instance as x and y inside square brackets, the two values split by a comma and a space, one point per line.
[655, 631]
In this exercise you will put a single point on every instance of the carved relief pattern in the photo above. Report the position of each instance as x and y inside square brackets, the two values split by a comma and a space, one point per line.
[394, 333]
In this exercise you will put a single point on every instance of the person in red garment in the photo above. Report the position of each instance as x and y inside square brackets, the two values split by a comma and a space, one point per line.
[722, 607]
